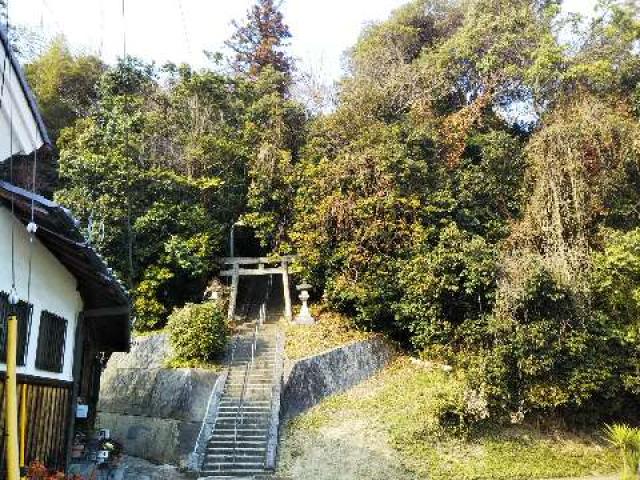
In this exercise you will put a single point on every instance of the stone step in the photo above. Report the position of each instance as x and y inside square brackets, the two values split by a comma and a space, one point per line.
[243, 414]
[264, 372]
[240, 475]
[245, 353]
[241, 375]
[243, 408]
[244, 442]
[254, 381]
[233, 458]
[247, 401]
[247, 416]
[236, 449]
[257, 428]
[262, 426]
[246, 412]
[231, 465]
[226, 432]
[235, 379]
[254, 421]
[259, 361]
[241, 440]
[248, 385]
[254, 395]
[238, 444]
[230, 444]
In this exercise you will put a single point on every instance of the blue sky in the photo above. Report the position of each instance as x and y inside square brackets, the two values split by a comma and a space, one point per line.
[179, 30]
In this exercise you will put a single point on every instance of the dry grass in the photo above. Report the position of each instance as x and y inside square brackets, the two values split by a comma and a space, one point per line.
[345, 449]
[377, 431]
[330, 331]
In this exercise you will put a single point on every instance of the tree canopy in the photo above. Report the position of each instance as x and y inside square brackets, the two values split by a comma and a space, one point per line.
[459, 194]
[475, 194]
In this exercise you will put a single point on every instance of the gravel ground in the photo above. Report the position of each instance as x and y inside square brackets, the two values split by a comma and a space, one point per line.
[138, 469]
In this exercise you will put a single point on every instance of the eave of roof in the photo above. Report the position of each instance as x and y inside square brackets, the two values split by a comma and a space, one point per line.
[100, 289]
[26, 89]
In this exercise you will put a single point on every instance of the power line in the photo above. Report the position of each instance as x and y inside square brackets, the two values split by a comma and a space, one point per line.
[124, 30]
[184, 28]
[102, 29]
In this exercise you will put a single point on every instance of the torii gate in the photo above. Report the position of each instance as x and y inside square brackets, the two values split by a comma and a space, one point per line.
[253, 266]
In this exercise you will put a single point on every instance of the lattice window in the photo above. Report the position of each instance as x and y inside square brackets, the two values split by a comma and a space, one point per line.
[24, 311]
[51, 343]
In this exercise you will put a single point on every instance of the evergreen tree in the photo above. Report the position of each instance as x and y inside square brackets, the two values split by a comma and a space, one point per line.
[261, 41]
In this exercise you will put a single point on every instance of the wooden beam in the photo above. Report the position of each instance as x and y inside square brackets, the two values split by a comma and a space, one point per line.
[78, 354]
[107, 312]
[255, 260]
[252, 272]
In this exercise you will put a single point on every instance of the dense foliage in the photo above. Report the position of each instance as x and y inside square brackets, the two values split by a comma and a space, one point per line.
[475, 194]
[158, 163]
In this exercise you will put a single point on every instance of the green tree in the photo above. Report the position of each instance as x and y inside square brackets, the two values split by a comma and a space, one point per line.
[159, 173]
[275, 127]
[65, 85]
[457, 194]
[156, 225]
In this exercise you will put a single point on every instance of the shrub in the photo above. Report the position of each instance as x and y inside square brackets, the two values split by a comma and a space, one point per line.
[448, 290]
[198, 332]
[627, 441]
[550, 351]
[616, 286]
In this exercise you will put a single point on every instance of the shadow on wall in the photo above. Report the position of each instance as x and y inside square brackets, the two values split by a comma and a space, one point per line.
[308, 381]
[154, 411]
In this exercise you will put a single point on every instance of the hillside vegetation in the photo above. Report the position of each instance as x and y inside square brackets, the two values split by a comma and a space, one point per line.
[392, 427]
[474, 194]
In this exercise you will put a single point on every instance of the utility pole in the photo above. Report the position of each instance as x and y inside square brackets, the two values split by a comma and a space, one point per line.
[11, 395]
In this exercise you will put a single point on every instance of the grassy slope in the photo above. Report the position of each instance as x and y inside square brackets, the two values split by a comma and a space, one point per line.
[379, 430]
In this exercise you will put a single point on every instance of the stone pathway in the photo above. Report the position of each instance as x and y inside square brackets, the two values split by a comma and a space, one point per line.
[138, 469]
[239, 443]
[131, 468]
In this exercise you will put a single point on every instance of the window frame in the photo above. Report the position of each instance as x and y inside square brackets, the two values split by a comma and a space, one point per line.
[23, 309]
[53, 328]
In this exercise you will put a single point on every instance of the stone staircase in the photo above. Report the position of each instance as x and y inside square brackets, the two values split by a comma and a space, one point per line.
[239, 444]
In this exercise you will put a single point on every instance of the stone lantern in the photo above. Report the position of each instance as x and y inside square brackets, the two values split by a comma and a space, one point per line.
[215, 291]
[304, 318]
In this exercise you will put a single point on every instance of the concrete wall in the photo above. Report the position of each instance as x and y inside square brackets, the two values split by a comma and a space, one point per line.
[157, 413]
[53, 289]
[308, 381]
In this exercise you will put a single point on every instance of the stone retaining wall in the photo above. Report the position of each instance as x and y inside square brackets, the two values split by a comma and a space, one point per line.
[156, 412]
[309, 380]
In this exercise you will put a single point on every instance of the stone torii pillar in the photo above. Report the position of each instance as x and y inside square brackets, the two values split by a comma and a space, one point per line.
[233, 296]
[288, 313]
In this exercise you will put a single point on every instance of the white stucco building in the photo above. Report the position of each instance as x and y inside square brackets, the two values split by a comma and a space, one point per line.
[72, 312]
